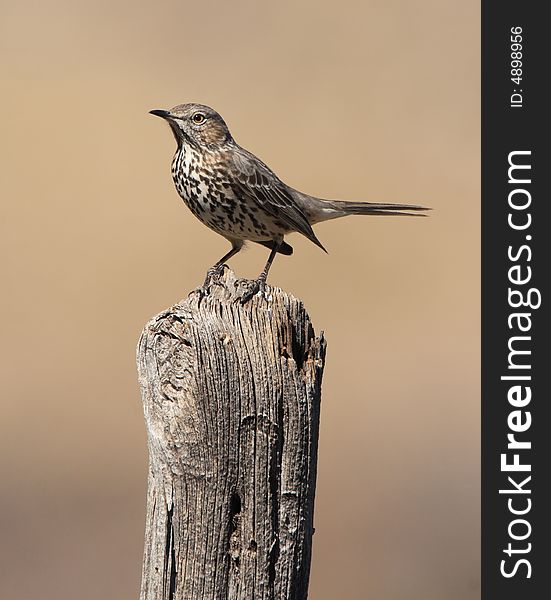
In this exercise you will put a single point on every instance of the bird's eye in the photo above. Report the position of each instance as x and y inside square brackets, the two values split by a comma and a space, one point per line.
[198, 118]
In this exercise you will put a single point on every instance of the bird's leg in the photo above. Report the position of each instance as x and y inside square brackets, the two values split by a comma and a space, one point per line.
[217, 269]
[259, 284]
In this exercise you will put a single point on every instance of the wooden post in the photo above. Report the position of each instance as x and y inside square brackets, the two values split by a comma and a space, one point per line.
[231, 397]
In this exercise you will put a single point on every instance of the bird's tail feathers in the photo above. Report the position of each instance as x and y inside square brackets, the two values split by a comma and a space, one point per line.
[373, 208]
[318, 209]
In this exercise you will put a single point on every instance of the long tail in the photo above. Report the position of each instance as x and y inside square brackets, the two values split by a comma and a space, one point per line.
[372, 208]
[317, 209]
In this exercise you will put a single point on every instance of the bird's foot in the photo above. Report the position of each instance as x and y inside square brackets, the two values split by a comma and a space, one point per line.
[212, 277]
[257, 286]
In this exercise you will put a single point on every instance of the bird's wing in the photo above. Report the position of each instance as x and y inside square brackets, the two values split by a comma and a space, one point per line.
[255, 181]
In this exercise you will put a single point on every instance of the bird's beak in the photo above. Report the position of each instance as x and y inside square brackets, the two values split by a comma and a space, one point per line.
[164, 114]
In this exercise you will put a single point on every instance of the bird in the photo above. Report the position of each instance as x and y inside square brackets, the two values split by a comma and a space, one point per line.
[238, 196]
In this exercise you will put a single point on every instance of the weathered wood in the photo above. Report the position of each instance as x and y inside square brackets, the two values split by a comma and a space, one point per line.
[231, 397]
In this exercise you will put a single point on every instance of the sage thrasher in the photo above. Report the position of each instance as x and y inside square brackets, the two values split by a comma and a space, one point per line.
[234, 193]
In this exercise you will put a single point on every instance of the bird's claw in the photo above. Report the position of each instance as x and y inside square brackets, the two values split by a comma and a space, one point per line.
[258, 286]
[213, 274]
[202, 290]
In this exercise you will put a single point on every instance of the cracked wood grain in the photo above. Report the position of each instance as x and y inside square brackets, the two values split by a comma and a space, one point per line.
[231, 398]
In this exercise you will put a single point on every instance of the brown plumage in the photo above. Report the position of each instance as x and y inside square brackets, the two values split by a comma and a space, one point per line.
[234, 193]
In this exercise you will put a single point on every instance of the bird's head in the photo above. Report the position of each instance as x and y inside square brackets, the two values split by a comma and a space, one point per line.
[196, 125]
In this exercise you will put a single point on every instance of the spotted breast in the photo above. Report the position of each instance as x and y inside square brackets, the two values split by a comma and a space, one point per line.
[201, 179]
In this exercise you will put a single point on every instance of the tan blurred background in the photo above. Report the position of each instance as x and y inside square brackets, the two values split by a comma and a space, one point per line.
[377, 100]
